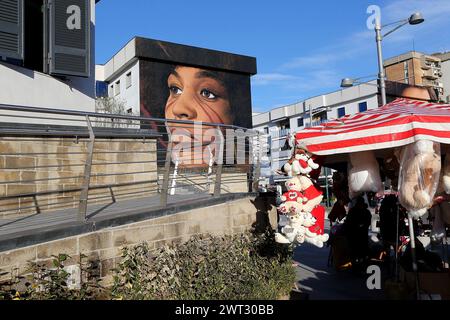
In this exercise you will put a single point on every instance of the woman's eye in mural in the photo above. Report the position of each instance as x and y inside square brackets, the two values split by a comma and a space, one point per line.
[175, 90]
[208, 94]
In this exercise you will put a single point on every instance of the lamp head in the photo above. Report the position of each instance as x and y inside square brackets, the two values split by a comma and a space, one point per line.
[416, 18]
[347, 82]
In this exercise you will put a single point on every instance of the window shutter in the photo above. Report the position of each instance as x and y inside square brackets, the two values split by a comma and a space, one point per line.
[69, 29]
[11, 29]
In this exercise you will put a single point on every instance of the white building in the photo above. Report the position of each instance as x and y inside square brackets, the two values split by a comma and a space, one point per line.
[279, 122]
[47, 54]
[445, 69]
[120, 76]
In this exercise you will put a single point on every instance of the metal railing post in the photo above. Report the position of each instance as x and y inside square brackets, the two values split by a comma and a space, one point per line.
[218, 182]
[166, 175]
[257, 169]
[84, 194]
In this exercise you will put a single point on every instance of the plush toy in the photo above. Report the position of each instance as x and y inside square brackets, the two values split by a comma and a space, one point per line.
[293, 199]
[363, 174]
[419, 176]
[446, 174]
[314, 232]
[318, 161]
[293, 232]
[311, 192]
[301, 161]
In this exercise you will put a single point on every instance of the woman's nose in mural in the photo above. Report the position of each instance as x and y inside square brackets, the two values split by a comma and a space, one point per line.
[183, 108]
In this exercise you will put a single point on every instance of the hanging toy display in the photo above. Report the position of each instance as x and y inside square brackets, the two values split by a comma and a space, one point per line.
[420, 168]
[301, 203]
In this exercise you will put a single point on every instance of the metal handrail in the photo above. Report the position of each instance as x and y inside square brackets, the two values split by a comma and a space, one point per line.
[11, 107]
[90, 135]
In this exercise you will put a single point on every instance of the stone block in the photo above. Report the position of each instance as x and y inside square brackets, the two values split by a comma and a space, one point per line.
[136, 235]
[17, 257]
[10, 176]
[242, 220]
[106, 267]
[241, 206]
[19, 162]
[28, 176]
[95, 241]
[176, 229]
[193, 228]
[7, 146]
[68, 246]
[16, 189]
[110, 253]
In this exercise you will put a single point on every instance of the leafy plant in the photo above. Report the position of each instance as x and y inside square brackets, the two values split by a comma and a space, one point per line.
[46, 283]
[245, 266]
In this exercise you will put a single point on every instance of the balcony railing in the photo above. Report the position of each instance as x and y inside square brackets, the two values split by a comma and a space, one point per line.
[280, 133]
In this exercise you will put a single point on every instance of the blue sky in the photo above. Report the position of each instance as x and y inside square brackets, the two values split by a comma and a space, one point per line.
[303, 48]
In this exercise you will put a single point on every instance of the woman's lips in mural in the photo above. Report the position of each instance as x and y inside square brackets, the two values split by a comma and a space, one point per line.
[196, 136]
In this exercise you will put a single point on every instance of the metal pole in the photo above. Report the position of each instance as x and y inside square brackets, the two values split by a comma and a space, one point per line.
[380, 62]
[257, 172]
[413, 254]
[310, 116]
[166, 174]
[326, 186]
[219, 158]
[84, 194]
[396, 244]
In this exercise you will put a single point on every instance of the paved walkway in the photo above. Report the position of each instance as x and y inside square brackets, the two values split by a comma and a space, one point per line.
[325, 283]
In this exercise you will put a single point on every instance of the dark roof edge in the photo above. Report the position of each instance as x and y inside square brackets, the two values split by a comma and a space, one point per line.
[189, 55]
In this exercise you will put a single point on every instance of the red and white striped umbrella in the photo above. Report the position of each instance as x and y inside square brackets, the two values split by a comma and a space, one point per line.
[395, 124]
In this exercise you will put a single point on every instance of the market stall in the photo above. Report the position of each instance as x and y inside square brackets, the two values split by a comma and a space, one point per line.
[406, 142]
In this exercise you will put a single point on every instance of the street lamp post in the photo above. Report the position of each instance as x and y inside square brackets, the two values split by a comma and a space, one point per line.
[380, 63]
[414, 19]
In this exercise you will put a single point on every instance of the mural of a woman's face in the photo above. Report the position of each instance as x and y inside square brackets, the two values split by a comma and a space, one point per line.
[197, 95]
[416, 93]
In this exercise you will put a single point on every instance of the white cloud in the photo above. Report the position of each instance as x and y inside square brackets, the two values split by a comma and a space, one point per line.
[271, 78]
[434, 11]
[322, 70]
[311, 61]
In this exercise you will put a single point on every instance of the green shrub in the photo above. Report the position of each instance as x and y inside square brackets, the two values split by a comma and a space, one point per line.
[235, 267]
[245, 266]
[44, 283]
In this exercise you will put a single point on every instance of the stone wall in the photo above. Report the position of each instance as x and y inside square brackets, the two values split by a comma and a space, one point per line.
[56, 165]
[104, 246]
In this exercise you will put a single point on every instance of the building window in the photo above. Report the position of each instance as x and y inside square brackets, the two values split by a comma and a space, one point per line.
[111, 90]
[300, 122]
[266, 130]
[117, 88]
[284, 124]
[101, 89]
[130, 111]
[128, 80]
[405, 71]
[362, 106]
[341, 112]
